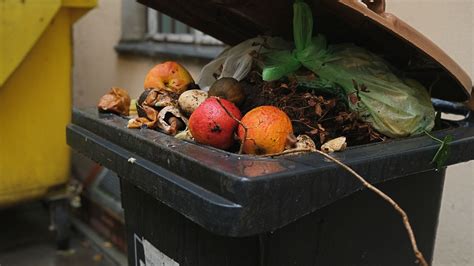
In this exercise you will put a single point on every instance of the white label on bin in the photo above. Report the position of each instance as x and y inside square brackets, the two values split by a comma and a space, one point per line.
[154, 257]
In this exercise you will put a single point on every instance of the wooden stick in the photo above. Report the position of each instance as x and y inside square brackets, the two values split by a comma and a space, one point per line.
[287, 152]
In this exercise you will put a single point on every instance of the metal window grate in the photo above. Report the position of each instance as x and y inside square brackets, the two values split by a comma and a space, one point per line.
[166, 29]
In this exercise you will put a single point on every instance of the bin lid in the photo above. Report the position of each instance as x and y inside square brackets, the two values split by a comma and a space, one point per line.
[364, 23]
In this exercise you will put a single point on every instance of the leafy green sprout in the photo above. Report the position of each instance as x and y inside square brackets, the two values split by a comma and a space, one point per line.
[442, 154]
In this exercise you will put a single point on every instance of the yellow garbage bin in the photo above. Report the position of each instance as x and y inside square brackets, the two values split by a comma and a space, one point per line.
[35, 95]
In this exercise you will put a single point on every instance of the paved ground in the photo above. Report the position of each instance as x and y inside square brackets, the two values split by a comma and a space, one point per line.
[25, 240]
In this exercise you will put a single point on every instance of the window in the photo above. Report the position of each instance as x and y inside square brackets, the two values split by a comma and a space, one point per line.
[163, 28]
[150, 33]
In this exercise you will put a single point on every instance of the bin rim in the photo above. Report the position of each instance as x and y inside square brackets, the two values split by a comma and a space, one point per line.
[209, 187]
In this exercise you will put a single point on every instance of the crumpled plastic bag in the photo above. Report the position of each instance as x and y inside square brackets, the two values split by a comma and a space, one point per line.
[236, 62]
[395, 106]
[115, 101]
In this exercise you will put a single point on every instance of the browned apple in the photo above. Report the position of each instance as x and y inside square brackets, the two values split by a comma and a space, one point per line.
[169, 76]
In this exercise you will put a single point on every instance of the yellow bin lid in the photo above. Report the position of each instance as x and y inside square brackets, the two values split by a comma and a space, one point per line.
[21, 25]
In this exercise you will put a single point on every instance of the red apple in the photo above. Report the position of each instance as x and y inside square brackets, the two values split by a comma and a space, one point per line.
[211, 125]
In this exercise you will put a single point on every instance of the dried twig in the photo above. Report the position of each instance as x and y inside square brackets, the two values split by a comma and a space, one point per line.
[288, 152]
[402, 213]
[236, 120]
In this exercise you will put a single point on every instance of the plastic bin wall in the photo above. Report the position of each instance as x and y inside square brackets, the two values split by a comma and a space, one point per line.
[201, 206]
[361, 229]
[35, 96]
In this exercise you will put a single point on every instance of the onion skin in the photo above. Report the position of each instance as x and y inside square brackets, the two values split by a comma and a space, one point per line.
[190, 100]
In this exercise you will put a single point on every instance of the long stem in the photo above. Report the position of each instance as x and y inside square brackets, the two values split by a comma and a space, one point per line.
[287, 152]
[433, 137]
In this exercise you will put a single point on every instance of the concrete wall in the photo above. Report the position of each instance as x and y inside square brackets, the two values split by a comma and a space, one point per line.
[449, 23]
[97, 66]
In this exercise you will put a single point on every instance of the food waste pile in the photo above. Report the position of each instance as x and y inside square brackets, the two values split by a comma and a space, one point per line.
[267, 96]
[250, 116]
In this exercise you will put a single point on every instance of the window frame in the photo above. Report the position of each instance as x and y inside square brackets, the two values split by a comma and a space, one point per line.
[194, 37]
[137, 40]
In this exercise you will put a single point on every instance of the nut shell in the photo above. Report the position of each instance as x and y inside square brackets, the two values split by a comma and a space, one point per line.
[190, 100]
[155, 99]
[163, 122]
[303, 142]
[337, 144]
[115, 101]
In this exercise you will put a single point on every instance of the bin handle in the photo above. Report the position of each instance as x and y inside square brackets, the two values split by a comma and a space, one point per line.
[377, 6]
[453, 108]
[470, 103]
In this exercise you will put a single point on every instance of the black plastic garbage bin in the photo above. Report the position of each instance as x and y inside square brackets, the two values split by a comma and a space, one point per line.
[187, 204]
[202, 206]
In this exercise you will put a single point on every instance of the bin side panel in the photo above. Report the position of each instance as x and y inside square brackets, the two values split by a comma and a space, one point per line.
[363, 229]
[36, 107]
[358, 230]
[178, 237]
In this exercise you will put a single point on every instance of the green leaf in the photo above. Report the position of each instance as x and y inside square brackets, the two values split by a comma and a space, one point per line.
[442, 154]
[438, 121]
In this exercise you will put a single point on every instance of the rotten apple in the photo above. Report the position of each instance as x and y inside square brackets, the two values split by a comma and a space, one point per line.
[269, 130]
[169, 76]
